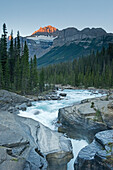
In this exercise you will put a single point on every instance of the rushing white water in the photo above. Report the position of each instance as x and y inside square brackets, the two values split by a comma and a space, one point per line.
[77, 146]
[46, 112]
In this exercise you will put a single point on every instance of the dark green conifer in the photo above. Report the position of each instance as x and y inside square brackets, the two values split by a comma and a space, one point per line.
[1, 77]
[4, 48]
[25, 70]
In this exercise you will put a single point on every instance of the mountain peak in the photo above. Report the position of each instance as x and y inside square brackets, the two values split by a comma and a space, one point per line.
[47, 29]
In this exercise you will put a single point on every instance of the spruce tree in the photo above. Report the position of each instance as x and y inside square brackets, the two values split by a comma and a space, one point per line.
[35, 72]
[7, 75]
[17, 64]
[41, 80]
[0, 49]
[17, 76]
[25, 70]
[18, 47]
[31, 75]
[1, 77]
[4, 48]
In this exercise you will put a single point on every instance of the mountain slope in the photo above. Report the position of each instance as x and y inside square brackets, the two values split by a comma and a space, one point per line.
[60, 54]
[46, 38]
[73, 50]
[55, 46]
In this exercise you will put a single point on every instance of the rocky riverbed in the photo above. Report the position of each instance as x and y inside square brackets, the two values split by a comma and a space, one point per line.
[26, 144]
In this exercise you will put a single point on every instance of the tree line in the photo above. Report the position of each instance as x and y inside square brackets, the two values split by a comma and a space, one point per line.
[94, 70]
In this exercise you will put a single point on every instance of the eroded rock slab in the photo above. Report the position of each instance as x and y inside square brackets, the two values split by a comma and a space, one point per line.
[58, 149]
[98, 155]
[28, 144]
[86, 119]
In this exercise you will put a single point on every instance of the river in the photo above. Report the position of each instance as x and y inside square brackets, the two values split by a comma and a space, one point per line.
[46, 112]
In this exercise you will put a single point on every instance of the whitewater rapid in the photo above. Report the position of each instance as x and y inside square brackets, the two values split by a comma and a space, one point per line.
[46, 112]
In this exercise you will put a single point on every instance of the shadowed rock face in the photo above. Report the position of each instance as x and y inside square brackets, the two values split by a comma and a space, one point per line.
[98, 155]
[72, 34]
[85, 120]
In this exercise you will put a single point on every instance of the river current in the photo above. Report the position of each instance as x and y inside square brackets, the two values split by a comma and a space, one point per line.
[46, 112]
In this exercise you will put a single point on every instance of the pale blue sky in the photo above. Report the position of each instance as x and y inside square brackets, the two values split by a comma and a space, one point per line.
[28, 15]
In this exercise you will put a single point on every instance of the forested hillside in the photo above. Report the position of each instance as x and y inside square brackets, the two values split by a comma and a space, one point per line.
[95, 70]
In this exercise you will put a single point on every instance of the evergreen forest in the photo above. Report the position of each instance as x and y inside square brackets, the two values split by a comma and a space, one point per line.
[94, 70]
[17, 73]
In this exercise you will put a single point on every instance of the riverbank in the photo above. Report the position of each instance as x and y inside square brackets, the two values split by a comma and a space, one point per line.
[52, 94]
[62, 87]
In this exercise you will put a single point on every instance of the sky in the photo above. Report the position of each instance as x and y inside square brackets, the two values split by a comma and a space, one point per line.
[28, 16]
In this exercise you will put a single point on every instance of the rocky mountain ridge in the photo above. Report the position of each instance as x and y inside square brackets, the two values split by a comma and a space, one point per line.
[88, 38]
[73, 34]
[70, 31]
[46, 39]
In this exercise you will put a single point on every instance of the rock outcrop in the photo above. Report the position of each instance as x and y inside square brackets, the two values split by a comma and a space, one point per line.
[10, 100]
[86, 119]
[98, 155]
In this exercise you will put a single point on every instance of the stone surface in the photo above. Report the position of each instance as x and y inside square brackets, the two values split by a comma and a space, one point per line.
[86, 110]
[23, 107]
[98, 155]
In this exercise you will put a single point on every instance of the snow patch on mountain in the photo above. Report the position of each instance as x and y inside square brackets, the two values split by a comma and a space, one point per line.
[42, 38]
